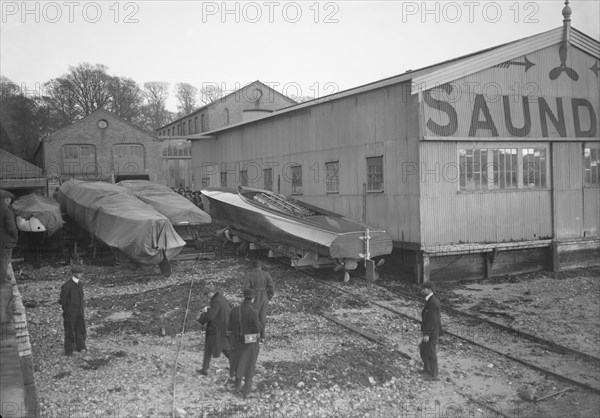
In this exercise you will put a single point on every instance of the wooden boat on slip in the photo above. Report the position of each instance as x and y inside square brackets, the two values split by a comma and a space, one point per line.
[183, 214]
[309, 235]
[135, 231]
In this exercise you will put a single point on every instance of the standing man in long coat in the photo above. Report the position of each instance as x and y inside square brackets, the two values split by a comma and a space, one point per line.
[430, 329]
[262, 283]
[244, 320]
[215, 317]
[72, 302]
[9, 233]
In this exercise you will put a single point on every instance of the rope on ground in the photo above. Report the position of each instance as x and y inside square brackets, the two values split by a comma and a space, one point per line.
[187, 308]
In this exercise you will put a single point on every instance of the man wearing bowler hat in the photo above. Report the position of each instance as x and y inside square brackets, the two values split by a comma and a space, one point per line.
[72, 302]
[430, 329]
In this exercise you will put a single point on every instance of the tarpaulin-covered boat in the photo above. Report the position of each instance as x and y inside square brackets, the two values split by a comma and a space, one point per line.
[35, 213]
[307, 234]
[183, 214]
[134, 230]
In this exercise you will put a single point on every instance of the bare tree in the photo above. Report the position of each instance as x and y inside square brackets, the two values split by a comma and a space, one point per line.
[210, 92]
[126, 98]
[80, 92]
[186, 95]
[155, 111]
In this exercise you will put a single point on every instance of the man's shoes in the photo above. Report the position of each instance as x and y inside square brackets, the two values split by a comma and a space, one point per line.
[423, 371]
[203, 372]
[230, 381]
[432, 378]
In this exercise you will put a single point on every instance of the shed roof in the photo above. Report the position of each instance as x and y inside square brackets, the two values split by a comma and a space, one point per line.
[446, 71]
[98, 112]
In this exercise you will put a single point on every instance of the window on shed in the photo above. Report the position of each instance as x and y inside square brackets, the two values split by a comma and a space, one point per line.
[591, 166]
[128, 158]
[79, 159]
[205, 182]
[297, 179]
[473, 169]
[332, 181]
[244, 177]
[196, 124]
[224, 179]
[506, 168]
[268, 178]
[375, 174]
[534, 167]
[203, 124]
[190, 126]
[226, 116]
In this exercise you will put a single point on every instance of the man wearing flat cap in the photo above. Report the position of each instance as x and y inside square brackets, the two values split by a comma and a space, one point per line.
[244, 326]
[215, 317]
[261, 281]
[72, 302]
[431, 325]
[8, 233]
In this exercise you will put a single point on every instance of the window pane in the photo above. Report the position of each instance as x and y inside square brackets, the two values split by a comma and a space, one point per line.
[332, 179]
[375, 173]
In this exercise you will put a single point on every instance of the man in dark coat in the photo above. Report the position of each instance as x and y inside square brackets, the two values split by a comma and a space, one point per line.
[8, 233]
[262, 283]
[244, 320]
[72, 301]
[215, 317]
[430, 328]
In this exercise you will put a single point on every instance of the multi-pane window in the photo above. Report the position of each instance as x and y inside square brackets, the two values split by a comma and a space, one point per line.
[506, 168]
[205, 182]
[375, 174]
[503, 168]
[591, 166]
[128, 158]
[473, 169]
[203, 124]
[268, 178]
[534, 167]
[244, 177]
[190, 126]
[297, 179]
[223, 178]
[332, 180]
[79, 159]
[196, 124]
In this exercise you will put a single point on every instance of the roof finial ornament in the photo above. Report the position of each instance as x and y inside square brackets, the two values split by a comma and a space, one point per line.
[566, 12]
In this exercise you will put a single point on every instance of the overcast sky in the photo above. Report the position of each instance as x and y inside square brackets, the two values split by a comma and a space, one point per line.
[305, 48]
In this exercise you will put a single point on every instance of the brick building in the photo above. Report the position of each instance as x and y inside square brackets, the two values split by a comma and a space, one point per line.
[252, 101]
[101, 146]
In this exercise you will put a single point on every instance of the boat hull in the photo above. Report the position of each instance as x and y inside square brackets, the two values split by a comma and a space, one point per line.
[135, 231]
[326, 234]
[38, 214]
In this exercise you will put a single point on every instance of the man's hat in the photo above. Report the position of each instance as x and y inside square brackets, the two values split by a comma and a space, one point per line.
[427, 285]
[5, 193]
[249, 293]
[209, 288]
[76, 268]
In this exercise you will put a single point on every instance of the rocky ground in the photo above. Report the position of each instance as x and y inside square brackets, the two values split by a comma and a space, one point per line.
[142, 361]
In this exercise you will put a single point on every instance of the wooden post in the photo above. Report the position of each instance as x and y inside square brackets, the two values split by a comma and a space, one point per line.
[554, 256]
[370, 271]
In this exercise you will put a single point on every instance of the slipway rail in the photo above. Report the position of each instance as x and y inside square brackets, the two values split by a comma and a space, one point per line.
[582, 369]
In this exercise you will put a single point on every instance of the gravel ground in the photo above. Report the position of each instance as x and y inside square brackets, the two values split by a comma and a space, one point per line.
[308, 367]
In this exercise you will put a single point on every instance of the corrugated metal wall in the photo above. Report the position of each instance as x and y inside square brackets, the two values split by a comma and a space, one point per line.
[381, 122]
[449, 216]
[567, 162]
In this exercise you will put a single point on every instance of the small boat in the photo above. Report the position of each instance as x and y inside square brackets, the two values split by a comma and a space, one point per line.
[135, 231]
[183, 214]
[309, 235]
[35, 213]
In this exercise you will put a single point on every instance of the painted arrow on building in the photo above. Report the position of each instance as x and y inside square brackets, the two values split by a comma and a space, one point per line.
[526, 63]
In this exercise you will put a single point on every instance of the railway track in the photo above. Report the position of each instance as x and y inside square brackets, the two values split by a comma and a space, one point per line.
[562, 363]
